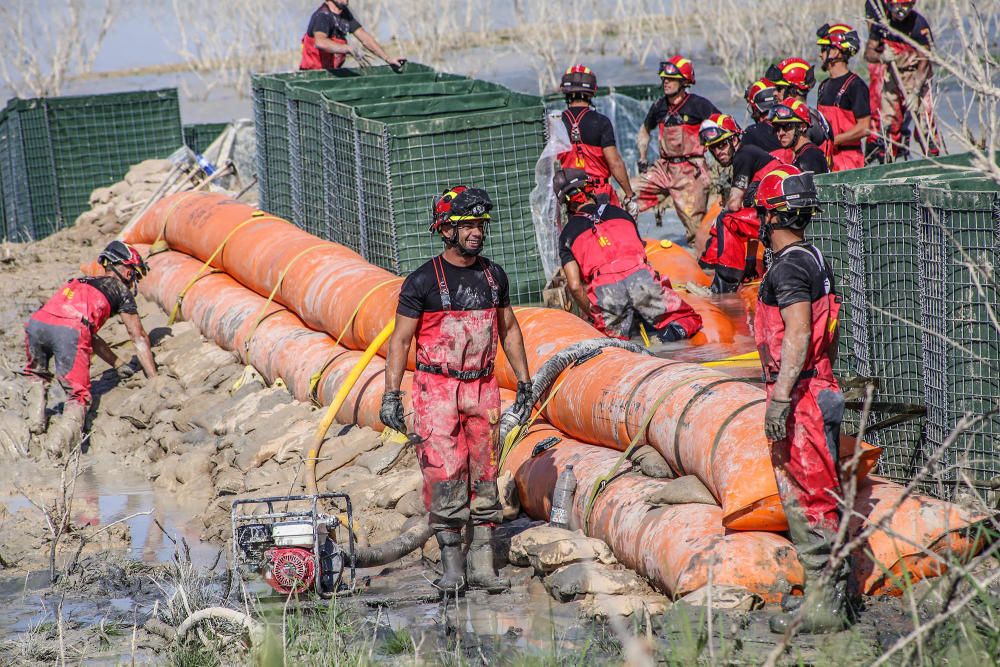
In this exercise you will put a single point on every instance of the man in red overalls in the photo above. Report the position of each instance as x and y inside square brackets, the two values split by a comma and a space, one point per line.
[607, 272]
[794, 78]
[732, 245]
[593, 138]
[65, 329]
[324, 46]
[796, 330]
[904, 89]
[457, 306]
[843, 98]
[680, 171]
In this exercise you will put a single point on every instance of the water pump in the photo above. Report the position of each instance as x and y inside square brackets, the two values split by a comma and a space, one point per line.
[295, 548]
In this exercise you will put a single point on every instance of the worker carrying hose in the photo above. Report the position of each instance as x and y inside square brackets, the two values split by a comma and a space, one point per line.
[791, 120]
[457, 306]
[843, 98]
[731, 250]
[65, 330]
[324, 45]
[680, 171]
[794, 78]
[904, 93]
[796, 331]
[607, 271]
[593, 138]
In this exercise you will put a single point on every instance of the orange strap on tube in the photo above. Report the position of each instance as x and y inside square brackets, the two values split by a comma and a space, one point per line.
[257, 215]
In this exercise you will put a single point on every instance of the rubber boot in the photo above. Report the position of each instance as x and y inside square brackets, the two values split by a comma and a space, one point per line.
[65, 432]
[823, 607]
[37, 402]
[452, 580]
[482, 573]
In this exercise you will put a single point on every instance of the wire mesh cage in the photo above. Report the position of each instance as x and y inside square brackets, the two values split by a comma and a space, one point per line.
[199, 136]
[828, 232]
[960, 235]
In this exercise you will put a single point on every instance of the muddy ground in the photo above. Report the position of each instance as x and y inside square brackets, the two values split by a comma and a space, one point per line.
[143, 514]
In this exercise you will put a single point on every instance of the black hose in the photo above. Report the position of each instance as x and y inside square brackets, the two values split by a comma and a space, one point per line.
[550, 370]
[389, 552]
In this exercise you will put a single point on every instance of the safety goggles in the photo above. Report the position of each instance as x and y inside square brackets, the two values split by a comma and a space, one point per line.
[782, 114]
[709, 136]
[669, 70]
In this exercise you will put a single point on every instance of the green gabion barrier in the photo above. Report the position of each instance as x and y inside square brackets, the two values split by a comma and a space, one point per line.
[199, 136]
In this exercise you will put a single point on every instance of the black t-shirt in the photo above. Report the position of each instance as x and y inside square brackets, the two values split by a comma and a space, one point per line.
[854, 98]
[798, 273]
[914, 26]
[748, 161]
[334, 26]
[595, 127]
[114, 290]
[692, 111]
[468, 288]
[579, 224]
[761, 135]
[811, 158]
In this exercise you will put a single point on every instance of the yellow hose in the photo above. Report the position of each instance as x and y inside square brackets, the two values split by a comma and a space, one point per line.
[338, 400]
[734, 361]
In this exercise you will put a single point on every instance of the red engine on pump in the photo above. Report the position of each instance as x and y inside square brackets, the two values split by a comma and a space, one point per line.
[289, 569]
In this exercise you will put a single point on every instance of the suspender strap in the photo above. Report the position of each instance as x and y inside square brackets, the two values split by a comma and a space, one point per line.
[442, 283]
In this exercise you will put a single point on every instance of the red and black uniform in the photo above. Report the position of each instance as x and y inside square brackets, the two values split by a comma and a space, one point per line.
[810, 158]
[456, 398]
[733, 240]
[806, 461]
[843, 101]
[623, 289]
[335, 26]
[889, 105]
[761, 135]
[680, 171]
[590, 132]
[64, 327]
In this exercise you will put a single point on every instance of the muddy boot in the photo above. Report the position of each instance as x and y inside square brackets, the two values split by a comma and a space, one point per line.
[452, 580]
[482, 573]
[824, 605]
[65, 432]
[37, 402]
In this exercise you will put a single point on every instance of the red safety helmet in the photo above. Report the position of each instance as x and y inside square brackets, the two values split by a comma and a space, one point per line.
[794, 73]
[718, 128]
[761, 96]
[118, 253]
[579, 79]
[460, 204]
[678, 67]
[840, 36]
[790, 192]
[791, 111]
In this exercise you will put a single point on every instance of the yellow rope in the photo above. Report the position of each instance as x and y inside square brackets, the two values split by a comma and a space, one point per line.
[257, 215]
[518, 432]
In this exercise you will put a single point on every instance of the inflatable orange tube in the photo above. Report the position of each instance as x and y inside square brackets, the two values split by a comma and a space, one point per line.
[667, 545]
[676, 263]
[675, 547]
[705, 423]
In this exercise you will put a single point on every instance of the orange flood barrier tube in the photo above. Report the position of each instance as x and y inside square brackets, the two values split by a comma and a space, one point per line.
[673, 546]
[706, 423]
[675, 262]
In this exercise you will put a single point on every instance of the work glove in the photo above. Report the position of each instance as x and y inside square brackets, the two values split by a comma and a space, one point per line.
[391, 412]
[775, 418]
[523, 401]
[125, 371]
[642, 166]
[398, 65]
[632, 206]
[888, 55]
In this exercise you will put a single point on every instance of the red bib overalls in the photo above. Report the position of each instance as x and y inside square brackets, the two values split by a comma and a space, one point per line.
[589, 158]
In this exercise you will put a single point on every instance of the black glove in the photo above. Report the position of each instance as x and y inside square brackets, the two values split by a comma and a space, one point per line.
[391, 412]
[776, 417]
[642, 165]
[523, 401]
[398, 69]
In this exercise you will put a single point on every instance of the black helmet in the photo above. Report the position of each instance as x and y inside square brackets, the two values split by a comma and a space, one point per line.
[118, 253]
[567, 181]
[461, 203]
[579, 79]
